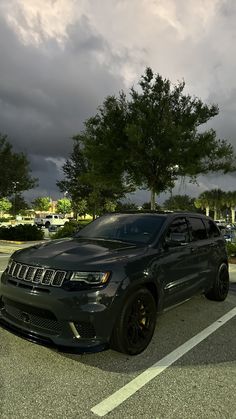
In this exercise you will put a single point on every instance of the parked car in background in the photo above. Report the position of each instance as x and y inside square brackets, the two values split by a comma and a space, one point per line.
[105, 286]
[50, 220]
[230, 234]
[221, 223]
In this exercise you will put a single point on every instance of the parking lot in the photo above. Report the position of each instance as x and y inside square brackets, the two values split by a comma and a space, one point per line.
[174, 378]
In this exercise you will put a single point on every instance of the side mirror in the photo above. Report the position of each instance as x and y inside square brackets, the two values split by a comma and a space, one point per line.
[175, 239]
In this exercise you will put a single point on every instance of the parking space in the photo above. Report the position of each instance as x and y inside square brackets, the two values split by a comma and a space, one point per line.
[39, 382]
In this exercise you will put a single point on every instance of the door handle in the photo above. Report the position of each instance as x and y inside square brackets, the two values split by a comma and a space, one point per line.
[193, 249]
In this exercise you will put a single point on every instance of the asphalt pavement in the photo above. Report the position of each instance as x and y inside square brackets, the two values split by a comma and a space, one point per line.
[187, 372]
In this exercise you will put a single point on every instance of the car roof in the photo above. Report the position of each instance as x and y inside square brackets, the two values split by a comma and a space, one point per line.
[167, 214]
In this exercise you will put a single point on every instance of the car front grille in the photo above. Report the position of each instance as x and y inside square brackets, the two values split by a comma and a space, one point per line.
[36, 275]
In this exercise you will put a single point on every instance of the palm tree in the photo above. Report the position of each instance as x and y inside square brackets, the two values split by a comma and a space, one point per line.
[211, 200]
[231, 203]
[204, 202]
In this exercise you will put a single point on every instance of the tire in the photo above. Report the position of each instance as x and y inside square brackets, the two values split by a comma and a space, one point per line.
[47, 224]
[136, 323]
[220, 288]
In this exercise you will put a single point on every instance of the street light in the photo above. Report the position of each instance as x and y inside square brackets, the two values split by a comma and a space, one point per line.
[65, 195]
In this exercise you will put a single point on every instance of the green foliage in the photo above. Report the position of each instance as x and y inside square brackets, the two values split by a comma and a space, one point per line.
[18, 205]
[126, 206]
[231, 249]
[68, 230]
[16, 169]
[163, 133]
[86, 176]
[146, 141]
[180, 202]
[109, 206]
[21, 233]
[42, 203]
[5, 205]
[216, 200]
[64, 206]
[81, 207]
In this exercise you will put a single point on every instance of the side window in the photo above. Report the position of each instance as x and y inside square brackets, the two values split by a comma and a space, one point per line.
[48, 216]
[179, 226]
[197, 229]
[212, 229]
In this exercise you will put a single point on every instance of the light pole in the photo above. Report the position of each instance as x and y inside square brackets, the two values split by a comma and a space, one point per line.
[15, 188]
[65, 195]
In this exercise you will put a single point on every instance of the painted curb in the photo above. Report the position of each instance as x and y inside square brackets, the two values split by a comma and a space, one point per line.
[11, 242]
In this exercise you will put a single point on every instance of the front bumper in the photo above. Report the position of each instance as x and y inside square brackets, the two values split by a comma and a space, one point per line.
[78, 321]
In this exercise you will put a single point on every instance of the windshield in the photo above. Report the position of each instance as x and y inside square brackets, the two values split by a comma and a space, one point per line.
[134, 228]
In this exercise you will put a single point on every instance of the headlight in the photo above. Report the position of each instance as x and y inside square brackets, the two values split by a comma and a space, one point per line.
[92, 278]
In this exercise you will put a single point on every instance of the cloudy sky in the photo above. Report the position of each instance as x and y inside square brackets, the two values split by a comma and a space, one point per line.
[60, 58]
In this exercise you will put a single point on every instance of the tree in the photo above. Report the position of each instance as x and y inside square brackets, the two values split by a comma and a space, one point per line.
[16, 170]
[204, 202]
[83, 181]
[5, 206]
[64, 206]
[211, 200]
[42, 203]
[152, 138]
[126, 206]
[230, 199]
[81, 207]
[163, 133]
[180, 202]
[18, 204]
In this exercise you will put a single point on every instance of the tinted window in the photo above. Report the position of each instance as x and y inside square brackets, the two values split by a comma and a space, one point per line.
[212, 229]
[197, 229]
[137, 228]
[179, 226]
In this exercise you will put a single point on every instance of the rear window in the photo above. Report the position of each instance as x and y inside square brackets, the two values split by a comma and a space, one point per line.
[197, 229]
[212, 229]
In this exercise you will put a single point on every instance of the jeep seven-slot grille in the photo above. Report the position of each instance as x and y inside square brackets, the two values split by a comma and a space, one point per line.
[36, 275]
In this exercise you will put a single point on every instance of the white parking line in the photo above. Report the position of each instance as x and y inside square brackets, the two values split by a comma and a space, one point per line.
[129, 389]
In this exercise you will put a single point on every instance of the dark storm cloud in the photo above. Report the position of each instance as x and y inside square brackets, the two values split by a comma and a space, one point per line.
[47, 92]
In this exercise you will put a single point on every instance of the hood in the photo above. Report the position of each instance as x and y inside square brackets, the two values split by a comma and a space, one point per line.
[69, 254]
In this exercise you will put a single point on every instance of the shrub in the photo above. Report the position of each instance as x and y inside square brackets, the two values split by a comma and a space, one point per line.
[231, 248]
[70, 228]
[21, 233]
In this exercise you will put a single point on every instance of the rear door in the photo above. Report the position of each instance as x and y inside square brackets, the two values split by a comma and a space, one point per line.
[201, 249]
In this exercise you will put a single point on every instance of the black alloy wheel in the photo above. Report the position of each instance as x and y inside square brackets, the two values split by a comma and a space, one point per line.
[220, 289]
[136, 324]
[47, 224]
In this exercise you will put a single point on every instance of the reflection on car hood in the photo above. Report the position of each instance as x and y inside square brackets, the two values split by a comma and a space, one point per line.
[72, 253]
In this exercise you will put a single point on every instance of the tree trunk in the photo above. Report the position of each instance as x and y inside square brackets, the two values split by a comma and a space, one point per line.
[215, 213]
[233, 215]
[153, 200]
[207, 211]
